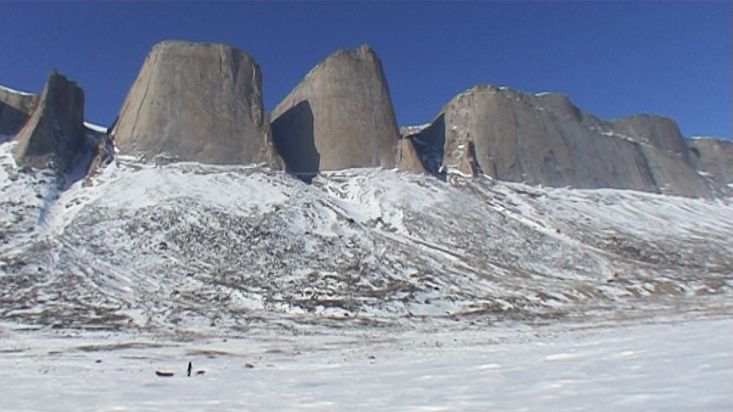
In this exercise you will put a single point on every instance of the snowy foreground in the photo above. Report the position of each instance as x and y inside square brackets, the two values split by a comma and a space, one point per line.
[668, 365]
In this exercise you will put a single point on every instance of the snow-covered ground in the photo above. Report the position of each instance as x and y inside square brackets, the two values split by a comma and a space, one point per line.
[370, 289]
[680, 365]
[185, 246]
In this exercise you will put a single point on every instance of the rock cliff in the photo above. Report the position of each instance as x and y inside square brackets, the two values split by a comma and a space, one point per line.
[54, 135]
[15, 110]
[408, 159]
[544, 139]
[197, 102]
[714, 159]
[340, 116]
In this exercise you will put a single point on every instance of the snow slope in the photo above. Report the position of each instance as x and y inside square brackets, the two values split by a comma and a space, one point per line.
[189, 248]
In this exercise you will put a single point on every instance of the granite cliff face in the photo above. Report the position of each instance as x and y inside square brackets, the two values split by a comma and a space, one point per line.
[15, 110]
[714, 158]
[666, 152]
[197, 102]
[54, 135]
[408, 160]
[340, 116]
[203, 102]
[544, 139]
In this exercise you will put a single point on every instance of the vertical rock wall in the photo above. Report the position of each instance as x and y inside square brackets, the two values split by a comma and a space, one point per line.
[54, 134]
[197, 102]
[15, 110]
[339, 116]
[544, 139]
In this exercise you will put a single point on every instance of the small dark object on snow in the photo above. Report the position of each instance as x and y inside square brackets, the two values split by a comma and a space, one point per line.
[249, 366]
[201, 372]
[164, 374]
[188, 370]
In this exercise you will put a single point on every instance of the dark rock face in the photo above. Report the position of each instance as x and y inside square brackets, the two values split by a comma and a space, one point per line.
[544, 139]
[102, 153]
[54, 134]
[714, 158]
[298, 147]
[197, 102]
[340, 116]
[15, 110]
[407, 158]
[429, 143]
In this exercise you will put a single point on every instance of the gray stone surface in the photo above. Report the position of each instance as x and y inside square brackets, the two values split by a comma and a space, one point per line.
[102, 153]
[545, 140]
[666, 153]
[197, 102]
[340, 116]
[408, 159]
[714, 158]
[15, 110]
[55, 134]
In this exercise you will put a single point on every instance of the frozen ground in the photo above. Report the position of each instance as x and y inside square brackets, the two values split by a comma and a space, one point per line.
[677, 364]
[368, 288]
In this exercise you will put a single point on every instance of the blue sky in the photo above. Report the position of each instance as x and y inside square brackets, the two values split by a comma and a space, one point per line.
[612, 59]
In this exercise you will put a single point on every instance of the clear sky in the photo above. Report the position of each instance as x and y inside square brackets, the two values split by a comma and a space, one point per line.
[612, 59]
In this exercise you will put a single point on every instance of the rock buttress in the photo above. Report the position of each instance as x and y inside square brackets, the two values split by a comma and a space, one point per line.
[54, 135]
[197, 102]
[340, 116]
[544, 139]
[15, 110]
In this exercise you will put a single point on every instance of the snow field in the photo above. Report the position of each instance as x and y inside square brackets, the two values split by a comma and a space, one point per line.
[670, 365]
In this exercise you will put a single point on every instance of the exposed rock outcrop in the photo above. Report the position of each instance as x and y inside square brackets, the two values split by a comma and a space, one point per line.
[54, 135]
[714, 159]
[407, 158]
[197, 102]
[102, 152]
[666, 152]
[340, 116]
[15, 110]
[544, 139]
